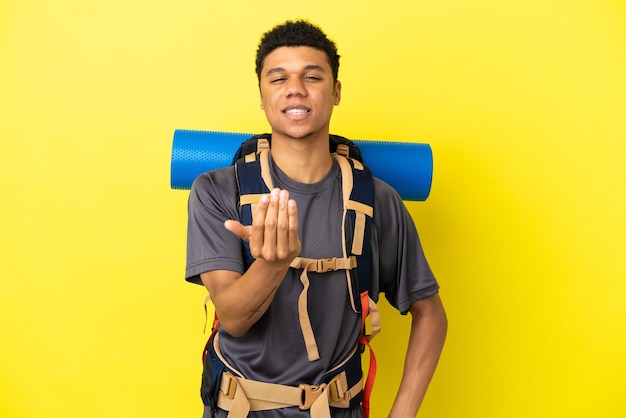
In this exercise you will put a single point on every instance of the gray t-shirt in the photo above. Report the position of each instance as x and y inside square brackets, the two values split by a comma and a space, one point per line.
[273, 349]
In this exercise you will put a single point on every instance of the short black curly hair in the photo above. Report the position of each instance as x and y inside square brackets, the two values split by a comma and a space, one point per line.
[297, 33]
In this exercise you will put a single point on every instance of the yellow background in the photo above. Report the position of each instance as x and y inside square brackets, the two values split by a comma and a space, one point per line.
[523, 103]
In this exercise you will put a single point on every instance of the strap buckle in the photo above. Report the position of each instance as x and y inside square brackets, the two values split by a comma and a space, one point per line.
[326, 264]
[310, 393]
[337, 387]
[228, 385]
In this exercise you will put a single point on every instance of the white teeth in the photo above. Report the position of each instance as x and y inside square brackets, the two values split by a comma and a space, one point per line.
[295, 111]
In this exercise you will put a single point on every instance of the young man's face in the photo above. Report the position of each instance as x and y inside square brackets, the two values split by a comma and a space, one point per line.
[298, 92]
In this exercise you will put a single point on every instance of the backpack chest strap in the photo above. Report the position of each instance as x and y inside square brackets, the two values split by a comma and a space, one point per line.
[322, 265]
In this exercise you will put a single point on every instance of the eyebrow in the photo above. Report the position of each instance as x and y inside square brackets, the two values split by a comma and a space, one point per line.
[307, 68]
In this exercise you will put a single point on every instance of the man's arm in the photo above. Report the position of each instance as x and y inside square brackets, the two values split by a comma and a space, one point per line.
[428, 333]
[240, 300]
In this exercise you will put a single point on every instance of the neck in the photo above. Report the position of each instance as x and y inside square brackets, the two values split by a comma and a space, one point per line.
[305, 160]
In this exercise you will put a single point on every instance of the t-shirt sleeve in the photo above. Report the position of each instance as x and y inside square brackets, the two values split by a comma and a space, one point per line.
[210, 246]
[404, 275]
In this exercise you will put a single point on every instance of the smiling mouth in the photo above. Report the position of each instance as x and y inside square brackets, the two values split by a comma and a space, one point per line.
[296, 111]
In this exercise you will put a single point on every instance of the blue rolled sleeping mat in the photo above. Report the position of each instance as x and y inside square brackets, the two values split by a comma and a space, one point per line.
[405, 166]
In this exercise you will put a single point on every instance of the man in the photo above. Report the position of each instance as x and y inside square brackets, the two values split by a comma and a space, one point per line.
[261, 337]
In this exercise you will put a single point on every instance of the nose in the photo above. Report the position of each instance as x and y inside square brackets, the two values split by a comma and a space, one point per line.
[295, 87]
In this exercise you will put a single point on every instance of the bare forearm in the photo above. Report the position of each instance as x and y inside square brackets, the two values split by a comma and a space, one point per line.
[240, 303]
[428, 333]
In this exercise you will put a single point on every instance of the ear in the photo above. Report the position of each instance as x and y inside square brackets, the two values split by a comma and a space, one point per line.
[337, 92]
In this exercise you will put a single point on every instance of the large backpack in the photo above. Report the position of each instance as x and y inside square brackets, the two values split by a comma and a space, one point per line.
[251, 162]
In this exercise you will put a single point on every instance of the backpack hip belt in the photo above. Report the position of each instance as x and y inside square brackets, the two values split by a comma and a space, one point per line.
[239, 395]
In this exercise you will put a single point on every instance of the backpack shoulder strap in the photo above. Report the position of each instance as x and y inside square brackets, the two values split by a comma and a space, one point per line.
[254, 180]
[358, 197]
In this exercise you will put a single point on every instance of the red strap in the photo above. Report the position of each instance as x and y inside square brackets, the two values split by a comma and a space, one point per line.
[371, 376]
[371, 372]
[213, 331]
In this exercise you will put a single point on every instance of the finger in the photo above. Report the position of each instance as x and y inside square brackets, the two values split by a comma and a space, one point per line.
[294, 240]
[271, 220]
[238, 229]
[257, 233]
[282, 226]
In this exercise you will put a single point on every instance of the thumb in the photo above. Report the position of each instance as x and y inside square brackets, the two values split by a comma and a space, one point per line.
[238, 229]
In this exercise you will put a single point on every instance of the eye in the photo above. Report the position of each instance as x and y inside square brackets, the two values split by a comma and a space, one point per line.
[311, 77]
